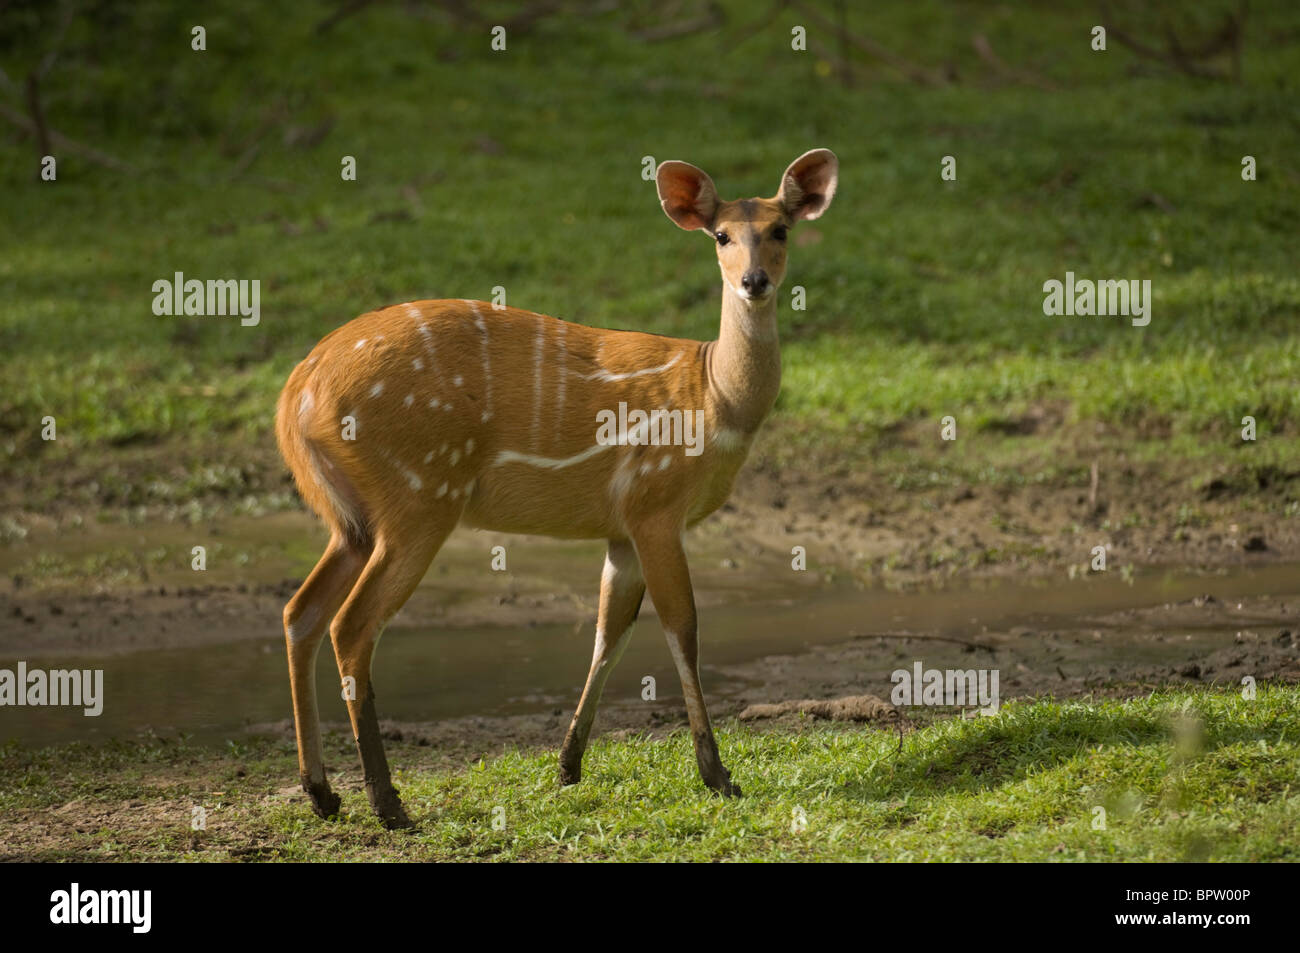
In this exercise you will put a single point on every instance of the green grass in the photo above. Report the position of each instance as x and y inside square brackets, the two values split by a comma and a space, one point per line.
[522, 169]
[1180, 776]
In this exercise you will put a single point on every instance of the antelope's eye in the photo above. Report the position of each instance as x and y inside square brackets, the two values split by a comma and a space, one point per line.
[779, 233]
[722, 237]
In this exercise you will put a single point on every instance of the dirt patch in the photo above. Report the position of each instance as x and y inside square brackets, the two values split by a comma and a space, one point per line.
[848, 708]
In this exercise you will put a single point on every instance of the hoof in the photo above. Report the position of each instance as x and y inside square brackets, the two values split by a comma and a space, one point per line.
[727, 788]
[389, 808]
[324, 802]
[397, 821]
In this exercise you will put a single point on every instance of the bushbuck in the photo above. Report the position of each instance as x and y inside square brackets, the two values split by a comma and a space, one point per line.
[410, 420]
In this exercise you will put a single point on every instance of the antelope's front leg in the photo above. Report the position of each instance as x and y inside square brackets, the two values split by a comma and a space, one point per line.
[668, 579]
[621, 592]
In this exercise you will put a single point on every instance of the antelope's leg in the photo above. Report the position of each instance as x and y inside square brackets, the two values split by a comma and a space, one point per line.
[668, 579]
[306, 619]
[621, 592]
[394, 570]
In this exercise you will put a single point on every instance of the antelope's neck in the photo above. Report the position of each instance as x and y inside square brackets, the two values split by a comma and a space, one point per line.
[744, 363]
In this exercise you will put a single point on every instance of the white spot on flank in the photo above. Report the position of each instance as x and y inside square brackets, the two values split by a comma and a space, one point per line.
[645, 468]
[428, 456]
[441, 492]
[455, 457]
[443, 448]
[408, 400]
[359, 345]
[417, 364]
[411, 478]
[455, 493]
[433, 404]
[377, 389]
[665, 462]
[469, 488]
[469, 446]
[549, 463]
[458, 381]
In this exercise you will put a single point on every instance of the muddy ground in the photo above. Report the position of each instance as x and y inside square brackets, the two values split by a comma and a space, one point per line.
[859, 522]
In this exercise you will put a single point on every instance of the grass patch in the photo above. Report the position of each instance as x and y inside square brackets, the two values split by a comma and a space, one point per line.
[1180, 776]
[479, 169]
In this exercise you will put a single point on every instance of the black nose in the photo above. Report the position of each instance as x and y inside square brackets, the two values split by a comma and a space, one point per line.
[754, 281]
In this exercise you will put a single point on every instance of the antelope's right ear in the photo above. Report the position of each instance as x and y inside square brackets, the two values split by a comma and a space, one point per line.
[687, 195]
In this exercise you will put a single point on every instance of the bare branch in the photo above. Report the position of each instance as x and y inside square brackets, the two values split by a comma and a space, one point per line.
[914, 72]
[1010, 73]
[62, 142]
[341, 12]
[713, 17]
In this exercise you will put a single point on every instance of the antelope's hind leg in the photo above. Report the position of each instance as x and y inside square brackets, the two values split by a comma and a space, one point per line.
[306, 618]
[621, 592]
[394, 569]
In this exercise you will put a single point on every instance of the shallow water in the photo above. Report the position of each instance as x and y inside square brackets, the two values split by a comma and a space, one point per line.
[214, 692]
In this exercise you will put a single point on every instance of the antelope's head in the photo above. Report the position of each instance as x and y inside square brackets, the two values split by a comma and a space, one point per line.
[750, 234]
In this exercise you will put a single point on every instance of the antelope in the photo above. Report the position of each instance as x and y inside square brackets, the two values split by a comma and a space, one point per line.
[410, 420]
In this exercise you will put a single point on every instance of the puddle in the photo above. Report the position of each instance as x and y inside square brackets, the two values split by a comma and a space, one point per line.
[427, 672]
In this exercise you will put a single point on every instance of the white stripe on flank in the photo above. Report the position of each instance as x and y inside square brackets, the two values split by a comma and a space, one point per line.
[428, 339]
[487, 361]
[604, 375]
[561, 355]
[418, 317]
[549, 463]
[537, 378]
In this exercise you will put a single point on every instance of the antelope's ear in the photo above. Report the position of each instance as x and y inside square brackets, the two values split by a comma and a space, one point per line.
[687, 195]
[809, 184]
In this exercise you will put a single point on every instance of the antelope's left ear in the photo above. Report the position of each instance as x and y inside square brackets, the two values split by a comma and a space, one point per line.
[809, 184]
